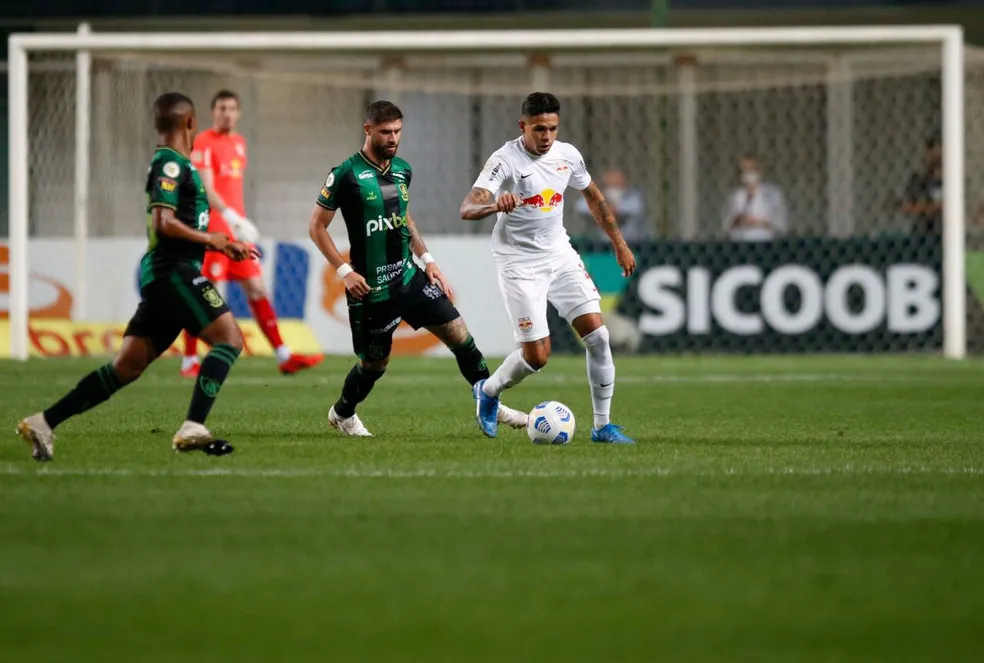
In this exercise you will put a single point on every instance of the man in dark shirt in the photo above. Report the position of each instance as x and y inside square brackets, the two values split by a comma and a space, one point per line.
[923, 198]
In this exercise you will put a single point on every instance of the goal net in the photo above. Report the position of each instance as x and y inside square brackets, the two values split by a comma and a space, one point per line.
[852, 240]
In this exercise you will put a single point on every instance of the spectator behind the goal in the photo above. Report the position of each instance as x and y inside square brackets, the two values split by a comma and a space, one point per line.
[756, 210]
[922, 201]
[626, 202]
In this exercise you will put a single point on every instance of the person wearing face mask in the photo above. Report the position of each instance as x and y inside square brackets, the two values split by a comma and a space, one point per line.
[756, 210]
[923, 198]
[626, 202]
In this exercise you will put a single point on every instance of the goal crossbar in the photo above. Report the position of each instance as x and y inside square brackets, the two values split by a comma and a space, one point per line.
[949, 37]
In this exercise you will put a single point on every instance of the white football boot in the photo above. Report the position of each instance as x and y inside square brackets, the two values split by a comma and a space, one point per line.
[350, 426]
[512, 418]
[36, 432]
[192, 436]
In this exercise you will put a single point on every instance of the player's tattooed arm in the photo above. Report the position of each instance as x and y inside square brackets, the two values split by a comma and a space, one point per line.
[416, 241]
[479, 204]
[605, 218]
[434, 274]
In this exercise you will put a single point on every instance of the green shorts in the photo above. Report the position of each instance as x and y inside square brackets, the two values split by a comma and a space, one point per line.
[180, 300]
[373, 324]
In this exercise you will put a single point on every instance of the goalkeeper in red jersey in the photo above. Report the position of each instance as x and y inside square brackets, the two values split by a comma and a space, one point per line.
[220, 156]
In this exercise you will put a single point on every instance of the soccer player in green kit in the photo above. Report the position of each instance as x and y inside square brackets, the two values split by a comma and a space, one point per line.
[173, 294]
[383, 283]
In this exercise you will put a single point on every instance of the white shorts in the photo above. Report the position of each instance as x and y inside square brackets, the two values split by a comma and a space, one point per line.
[563, 281]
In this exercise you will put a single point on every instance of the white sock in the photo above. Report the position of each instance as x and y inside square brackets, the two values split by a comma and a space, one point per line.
[187, 361]
[601, 374]
[283, 354]
[511, 372]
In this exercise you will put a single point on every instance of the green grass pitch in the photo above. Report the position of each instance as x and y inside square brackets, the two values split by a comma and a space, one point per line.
[775, 509]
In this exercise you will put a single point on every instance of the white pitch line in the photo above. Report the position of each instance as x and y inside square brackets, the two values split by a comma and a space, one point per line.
[435, 473]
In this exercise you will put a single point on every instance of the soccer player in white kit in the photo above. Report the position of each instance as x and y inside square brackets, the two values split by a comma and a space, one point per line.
[536, 262]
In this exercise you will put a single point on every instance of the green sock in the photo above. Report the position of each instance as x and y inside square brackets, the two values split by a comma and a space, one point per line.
[91, 390]
[358, 383]
[215, 367]
[471, 361]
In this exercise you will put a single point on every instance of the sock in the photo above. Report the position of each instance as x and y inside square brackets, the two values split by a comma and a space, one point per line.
[191, 350]
[471, 361]
[511, 372]
[601, 374]
[358, 383]
[91, 390]
[214, 370]
[267, 320]
[283, 353]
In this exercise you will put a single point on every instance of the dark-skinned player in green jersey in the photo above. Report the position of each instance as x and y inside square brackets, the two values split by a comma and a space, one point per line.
[383, 283]
[173, 294]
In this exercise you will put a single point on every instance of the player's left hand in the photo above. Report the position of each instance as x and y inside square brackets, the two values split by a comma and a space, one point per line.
[436, 278]
[626, 260]
[240, 251]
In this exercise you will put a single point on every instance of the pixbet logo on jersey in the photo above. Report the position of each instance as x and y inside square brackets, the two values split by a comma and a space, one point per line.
[545, 201]
[383, 223]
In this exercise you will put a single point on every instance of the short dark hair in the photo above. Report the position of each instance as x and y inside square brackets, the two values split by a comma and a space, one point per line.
[170, 109]
[383, 111]
[540, 103]
[222, 95]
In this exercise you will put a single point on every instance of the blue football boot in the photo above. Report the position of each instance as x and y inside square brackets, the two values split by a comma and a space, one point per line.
[486, 410]
[610, 434]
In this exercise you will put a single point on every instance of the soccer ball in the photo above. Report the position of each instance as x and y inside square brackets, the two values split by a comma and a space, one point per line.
[550, 423]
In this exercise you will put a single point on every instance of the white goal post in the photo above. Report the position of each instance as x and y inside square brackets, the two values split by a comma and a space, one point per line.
[82, 44]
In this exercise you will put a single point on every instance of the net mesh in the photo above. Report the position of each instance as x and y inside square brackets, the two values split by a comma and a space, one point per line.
[839, 134]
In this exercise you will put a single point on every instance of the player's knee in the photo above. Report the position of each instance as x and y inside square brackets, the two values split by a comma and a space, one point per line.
[597, 340]
[377, 365]
[536, 356]
[232, 336]
[254, 289]
[129, 367]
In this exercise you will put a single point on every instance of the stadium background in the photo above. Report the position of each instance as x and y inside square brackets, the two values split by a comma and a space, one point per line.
[301, 116]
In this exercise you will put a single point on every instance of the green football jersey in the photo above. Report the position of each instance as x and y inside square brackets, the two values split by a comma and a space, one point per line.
[173, 182]
[374, 203]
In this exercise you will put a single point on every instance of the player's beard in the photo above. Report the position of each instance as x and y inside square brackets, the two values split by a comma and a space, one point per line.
[385, 150]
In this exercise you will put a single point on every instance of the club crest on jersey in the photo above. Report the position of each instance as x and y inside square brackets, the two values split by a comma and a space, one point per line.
[545, 201]
[171, 169]
[404, 192]
[525, 324]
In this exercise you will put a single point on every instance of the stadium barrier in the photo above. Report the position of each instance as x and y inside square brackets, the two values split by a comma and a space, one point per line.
[795, 295]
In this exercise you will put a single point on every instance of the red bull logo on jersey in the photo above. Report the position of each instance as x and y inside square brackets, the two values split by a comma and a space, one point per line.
[545, 201]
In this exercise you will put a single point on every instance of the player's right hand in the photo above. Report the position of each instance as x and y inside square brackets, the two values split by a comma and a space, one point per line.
[356, 285]
[507, 202]
[218, 242]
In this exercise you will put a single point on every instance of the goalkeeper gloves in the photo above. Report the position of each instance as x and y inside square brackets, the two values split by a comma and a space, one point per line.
[244, 229]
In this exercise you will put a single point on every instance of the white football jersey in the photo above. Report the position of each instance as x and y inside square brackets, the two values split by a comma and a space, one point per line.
[537, 226]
